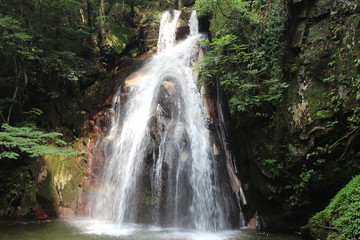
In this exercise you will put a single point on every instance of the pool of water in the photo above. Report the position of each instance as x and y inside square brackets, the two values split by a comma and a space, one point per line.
[81, 229]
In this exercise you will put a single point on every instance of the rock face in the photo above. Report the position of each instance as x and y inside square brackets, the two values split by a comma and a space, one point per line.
[42, 188]
[310, 151]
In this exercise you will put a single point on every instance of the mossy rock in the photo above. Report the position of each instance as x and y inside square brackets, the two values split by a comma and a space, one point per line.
[315, 51]
[319, 31]
[320, 7]
[306, 97]
[317, 96]
[340, 220]
[347, 7]
[58, 183]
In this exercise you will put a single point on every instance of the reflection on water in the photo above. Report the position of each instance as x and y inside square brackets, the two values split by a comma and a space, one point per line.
[81, 229]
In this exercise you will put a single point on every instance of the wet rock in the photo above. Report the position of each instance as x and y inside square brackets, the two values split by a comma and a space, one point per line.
[210, 123]
[169, 86]
[66, 212]
[182, 32]
[42, 175]
[39, 213]
[182, 19]
[215, 150]
[257, 222]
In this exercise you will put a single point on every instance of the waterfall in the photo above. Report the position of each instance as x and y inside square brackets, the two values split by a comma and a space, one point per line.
[193, 24]
[160, 166]
[167, 32]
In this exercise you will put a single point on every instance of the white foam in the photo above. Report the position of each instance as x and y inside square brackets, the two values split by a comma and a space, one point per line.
[137, 231]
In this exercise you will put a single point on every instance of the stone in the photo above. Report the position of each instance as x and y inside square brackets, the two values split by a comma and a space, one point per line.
[42, 175]
[39, 213]
[169, 86]
[299, 34]
[133, 80]
[215, 150]
[66, 212]
[320, 7]
[345, 7]
[182, 32]
[318, 31]
[149, 37]
[252, 222]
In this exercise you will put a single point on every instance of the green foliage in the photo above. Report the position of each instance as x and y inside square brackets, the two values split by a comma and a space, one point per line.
[28, 140]
[340, 220]
[355, 119]
[48, 48]
[274, 166]
[15, 184]
[60, 66]
[12, 36]
[247, 57]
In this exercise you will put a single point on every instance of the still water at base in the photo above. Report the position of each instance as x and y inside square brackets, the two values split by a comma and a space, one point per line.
[81, 229]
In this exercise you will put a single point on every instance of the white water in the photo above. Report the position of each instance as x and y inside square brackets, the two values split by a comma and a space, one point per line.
[158, 157]
[167, 30]
[145, 232]
[194, 24]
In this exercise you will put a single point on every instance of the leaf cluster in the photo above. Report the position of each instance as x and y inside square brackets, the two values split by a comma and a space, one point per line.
[15, 141]
[247, 56]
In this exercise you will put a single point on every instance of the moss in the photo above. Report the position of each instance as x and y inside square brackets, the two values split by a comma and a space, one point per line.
[318, 98]
[340, 220]
[59, 180]
[46, 196]
[323, 114]
[306, 98]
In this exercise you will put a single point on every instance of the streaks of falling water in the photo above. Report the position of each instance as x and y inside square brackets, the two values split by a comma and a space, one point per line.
[167, 32]
[184, 184]
[194, 24]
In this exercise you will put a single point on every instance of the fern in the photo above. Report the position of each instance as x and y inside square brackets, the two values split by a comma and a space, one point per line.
[29, 140]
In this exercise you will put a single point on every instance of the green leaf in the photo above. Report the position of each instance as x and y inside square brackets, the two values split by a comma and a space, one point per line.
[31, 141]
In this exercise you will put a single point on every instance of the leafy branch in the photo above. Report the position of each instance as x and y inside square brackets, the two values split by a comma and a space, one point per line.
[15, 141]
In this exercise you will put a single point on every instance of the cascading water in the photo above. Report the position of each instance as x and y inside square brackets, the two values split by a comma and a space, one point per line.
[167, 30]
[160, 166]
